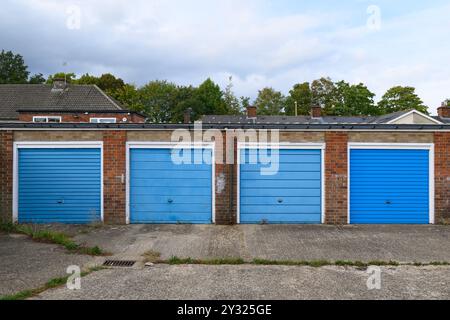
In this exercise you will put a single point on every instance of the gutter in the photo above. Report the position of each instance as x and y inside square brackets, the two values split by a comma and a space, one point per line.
[286, 127]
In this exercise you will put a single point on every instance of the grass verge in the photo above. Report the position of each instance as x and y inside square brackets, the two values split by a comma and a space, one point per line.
[53, 283]
[48, 236]
[223, 261]
[312, 263]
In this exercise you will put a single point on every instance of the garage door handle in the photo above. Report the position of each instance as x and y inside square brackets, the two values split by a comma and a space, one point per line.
[60, 202]
[170, 201]
[280, 200]
[388, 202]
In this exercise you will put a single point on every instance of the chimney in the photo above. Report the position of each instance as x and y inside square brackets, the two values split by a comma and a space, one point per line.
[59, 84]
[316, 111]
[444, 110]
[187, 116]
[251, 112]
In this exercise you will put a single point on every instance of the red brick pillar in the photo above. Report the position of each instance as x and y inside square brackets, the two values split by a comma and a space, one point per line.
[225, 180]
[442, 176]
[336, 178]
[114, 176]
[6, 175]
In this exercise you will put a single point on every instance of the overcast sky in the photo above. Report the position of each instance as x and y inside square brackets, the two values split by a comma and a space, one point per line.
[260, 43]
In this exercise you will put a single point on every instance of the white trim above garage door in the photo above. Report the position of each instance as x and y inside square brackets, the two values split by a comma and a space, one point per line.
[51, 145]
[169, 145]
[281, 146]
[396, 146]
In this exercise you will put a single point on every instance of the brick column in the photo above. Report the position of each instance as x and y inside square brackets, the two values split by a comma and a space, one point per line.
[114, 171]
[442, 177]
[336, 178]
[226, 180]
[6, 175]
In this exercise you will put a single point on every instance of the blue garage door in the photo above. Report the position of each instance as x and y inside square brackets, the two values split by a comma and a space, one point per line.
[389, 186]
[162, 191]
[59, 185]
[292, 195]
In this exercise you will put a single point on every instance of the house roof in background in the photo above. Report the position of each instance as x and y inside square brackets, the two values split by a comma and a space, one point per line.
[282, 120]
[42, 97]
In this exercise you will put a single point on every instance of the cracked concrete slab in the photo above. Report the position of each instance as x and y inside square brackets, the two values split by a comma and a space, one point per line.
[25, 264]
[276, 242]
[200, 282]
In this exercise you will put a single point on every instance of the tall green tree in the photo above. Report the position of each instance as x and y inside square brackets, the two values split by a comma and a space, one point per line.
[158, 99]
[300, 98]
[352, 100]
[87, 79]
[12, 68]
[210, 99]
[232, 103]
[107, 82]
[323, 93]
[129, 97]
[245, 102]
[186, 99]
[400, 98]
[110, 83]
[37, 79]
[270, 102]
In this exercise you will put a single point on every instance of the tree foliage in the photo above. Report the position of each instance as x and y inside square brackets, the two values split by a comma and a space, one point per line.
[163, 101]
[158, 99]
[37, 79]
[352, 100]
[128, 96]
[232, 103]
[109, 83]
[270, 102]
[211, 98]
[400, 98]
[69, 77]
[323, 92]
[300, 98]
[12, 68]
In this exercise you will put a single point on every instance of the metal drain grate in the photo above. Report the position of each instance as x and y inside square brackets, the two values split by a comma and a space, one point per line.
[119, 263]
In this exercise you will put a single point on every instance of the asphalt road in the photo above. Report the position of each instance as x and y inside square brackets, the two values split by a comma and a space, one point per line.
[258, 282]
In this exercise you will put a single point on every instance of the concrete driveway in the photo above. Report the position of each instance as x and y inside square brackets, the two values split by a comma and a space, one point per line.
[25, 264]
[276, 242]
[194, 282]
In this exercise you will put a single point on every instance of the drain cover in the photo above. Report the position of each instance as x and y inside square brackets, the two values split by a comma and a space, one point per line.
[119, 263]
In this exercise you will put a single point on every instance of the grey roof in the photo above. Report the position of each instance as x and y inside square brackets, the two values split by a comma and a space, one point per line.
[224, 119]
[443, 120]
[152, 126]
[42, 97]
[390, 116]
[282, 120]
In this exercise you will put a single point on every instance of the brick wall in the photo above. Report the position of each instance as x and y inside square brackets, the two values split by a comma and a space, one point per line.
[154, 136]
[114, 171]
[336, 182]
[336, 178]
[226, 181]
[6, 173]
[442, 177]
[83, 117]
[47, 135]
[394, 137]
